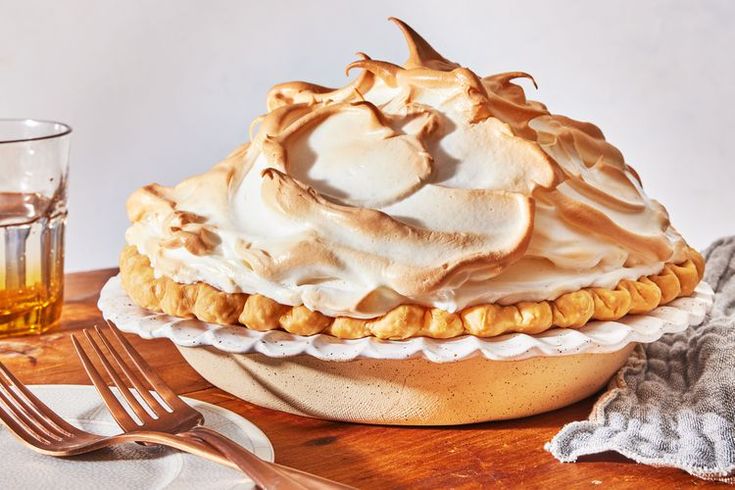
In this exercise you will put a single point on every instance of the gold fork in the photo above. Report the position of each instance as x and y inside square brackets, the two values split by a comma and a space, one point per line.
[40, 428]
[167, 413]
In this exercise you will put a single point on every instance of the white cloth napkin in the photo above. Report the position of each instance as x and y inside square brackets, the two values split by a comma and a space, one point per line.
[673, 403]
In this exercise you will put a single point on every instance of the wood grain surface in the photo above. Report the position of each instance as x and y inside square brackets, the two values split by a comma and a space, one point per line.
[499, 454]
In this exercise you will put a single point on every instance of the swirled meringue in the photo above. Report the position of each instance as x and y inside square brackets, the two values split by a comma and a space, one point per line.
[420, 184]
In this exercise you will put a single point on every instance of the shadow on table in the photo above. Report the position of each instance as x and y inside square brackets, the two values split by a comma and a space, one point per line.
[606, 457]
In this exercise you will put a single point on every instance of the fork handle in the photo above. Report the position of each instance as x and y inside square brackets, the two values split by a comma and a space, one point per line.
[267, 475]
[194, 444]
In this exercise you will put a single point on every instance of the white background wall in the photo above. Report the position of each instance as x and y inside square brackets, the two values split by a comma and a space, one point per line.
[160, 90]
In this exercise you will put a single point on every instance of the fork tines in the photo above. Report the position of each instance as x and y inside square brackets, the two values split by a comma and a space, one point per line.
[128, 376]
[27, 416]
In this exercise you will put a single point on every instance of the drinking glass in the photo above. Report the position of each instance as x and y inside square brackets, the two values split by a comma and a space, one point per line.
[34, 158]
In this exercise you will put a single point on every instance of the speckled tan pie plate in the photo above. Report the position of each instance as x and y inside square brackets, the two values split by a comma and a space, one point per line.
[407, 392]
[414, 382]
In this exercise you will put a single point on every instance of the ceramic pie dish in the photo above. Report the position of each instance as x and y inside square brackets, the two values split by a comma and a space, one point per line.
[420, 204]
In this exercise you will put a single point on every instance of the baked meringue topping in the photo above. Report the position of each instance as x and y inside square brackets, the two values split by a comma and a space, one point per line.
[415, 184]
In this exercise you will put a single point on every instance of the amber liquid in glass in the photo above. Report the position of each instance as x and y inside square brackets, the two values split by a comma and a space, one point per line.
[31, 263]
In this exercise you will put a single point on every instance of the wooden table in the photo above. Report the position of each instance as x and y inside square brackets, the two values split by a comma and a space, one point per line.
[503, 454]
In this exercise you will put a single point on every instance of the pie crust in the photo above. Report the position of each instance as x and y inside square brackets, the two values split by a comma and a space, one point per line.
[570, 310]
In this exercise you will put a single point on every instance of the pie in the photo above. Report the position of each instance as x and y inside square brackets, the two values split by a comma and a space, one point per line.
[418, 200]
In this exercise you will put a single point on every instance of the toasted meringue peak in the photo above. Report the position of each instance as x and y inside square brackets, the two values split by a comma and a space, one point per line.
[420, 52]
[419, 183]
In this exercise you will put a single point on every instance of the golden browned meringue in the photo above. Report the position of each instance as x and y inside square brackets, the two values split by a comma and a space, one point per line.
[421, 185]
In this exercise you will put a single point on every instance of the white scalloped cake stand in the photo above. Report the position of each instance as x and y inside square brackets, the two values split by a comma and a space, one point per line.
[419, 381]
